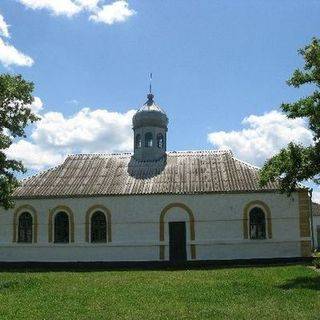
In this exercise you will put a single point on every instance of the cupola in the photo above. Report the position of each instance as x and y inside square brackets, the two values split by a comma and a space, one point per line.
[150, 125]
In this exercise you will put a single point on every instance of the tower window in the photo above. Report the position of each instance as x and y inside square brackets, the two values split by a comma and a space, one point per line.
[160, 141]
[138, 141]
[148, 140]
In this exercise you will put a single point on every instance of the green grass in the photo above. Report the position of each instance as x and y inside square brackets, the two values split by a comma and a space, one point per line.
[291, 292]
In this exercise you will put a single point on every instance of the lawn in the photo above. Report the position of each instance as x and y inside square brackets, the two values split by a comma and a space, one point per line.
[291, 292]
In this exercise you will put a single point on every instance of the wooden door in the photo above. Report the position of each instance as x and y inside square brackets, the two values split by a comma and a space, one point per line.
[177, 241]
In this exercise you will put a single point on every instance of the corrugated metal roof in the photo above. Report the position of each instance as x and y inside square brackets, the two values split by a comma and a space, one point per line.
[187, 172]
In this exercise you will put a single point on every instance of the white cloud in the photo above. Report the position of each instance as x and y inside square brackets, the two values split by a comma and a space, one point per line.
[88, 4]
[57, 7]
[86, 131]
[55, 136]
[9, 55]
[4, 28]
[118, 11]
[37, 105]
[265, 136]
[316, 196]
[33, 156]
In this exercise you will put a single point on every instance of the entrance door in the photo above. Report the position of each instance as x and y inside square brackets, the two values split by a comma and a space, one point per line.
[177, 241]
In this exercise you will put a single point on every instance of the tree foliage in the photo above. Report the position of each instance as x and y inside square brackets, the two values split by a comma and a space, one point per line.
[296, 163]
[15, 114]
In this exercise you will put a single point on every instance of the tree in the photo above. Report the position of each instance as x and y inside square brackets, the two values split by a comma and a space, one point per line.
[15, 114]
[296, 162]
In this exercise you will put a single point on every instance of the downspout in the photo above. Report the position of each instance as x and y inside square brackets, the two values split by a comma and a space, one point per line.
[311, 216]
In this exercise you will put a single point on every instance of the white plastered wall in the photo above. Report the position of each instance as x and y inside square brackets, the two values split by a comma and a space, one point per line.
[316, 231]
[135, 228]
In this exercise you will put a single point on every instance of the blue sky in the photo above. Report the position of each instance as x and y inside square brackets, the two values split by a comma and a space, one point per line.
[214, 63]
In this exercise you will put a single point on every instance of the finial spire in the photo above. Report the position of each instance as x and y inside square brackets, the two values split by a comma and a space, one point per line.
[150, 95]
[150, 83]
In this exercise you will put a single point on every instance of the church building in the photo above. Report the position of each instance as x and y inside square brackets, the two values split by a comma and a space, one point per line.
[153, 205]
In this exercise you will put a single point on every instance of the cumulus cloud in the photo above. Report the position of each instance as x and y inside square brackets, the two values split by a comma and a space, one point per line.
[57, 7]
[4, 28]
[118, 11]
[33, 156]
[87, 131]
[9, 55]
[264, 136]
[88, 4]
[316, 196]
[37, 105]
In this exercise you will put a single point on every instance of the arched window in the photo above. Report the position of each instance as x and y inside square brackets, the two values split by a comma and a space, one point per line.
[148, 140]
[138, 141]
[25, 226]
[98, 227]
[257, 223]
[61, 227]
[160, 141]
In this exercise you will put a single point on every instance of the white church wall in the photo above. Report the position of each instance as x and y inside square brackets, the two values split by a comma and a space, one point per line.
[316, 231]
[136, 228]
[6, 226]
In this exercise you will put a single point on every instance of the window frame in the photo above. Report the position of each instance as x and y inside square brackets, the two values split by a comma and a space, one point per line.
[138, 141]
[265, 236]
[90, 226]
[54, 227]
[107, 213]
[146, 144]
[32, 226]
[21, 209]
[246, 222]
[160, 139]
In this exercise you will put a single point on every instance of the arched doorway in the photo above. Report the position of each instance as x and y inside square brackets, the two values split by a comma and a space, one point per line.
[178, 226]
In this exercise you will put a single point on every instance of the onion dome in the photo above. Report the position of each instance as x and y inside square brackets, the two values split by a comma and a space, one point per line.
[150, 115]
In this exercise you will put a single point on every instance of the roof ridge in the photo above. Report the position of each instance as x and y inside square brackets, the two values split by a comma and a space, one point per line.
[247, 163]
[173, 152]
[75, 155]
[41, 172]
[203, 151]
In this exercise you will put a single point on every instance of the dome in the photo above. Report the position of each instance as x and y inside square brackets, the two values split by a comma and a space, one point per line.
[150, 115]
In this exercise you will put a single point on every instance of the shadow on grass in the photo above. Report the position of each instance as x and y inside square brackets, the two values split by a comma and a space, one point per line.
[5, 285]
[302, 283]
[17, 284]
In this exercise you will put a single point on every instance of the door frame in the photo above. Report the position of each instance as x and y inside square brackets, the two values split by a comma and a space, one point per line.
[164, 212]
